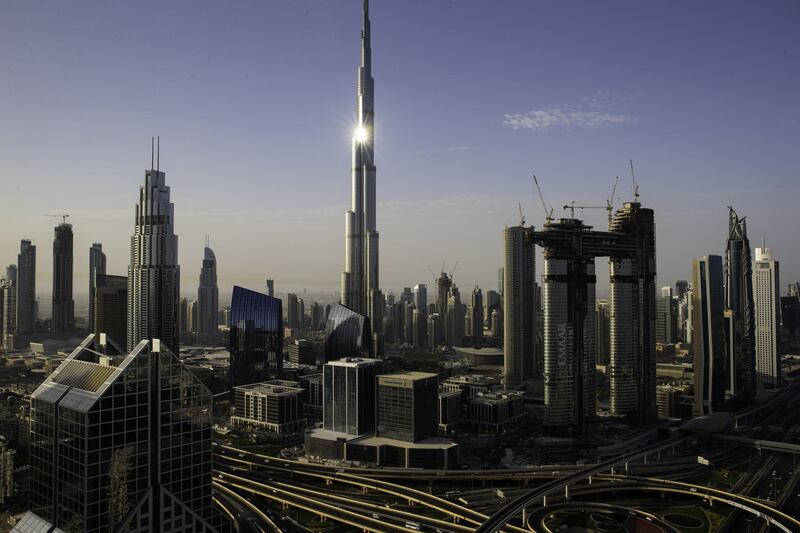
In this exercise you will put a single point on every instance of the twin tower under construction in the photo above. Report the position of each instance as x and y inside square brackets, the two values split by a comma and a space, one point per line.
[568, 305]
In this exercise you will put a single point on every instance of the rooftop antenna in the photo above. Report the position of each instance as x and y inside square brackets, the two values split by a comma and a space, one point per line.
[158, 155]
[152, 151]
[635, 185]
[548, 215]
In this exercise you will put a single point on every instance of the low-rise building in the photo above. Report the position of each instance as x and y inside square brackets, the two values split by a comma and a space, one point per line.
[495, 412]
[450, 410]
[272, 405]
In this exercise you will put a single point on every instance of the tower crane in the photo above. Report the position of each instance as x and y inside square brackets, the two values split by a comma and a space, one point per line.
[548, 215]
[572, 207]
[635, 185]
[610, 201]
[63, 217]
[521, 216]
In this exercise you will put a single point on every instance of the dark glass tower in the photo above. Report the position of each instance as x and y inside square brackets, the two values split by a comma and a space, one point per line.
[740, 310]
[110, 307]
[122, 442]
[26, 287]
[63, 304]
[347, 334]
[256, 337]
[208, 299]
[97, 267]
[708, 335]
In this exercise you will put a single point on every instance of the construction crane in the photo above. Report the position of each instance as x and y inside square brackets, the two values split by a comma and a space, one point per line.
[63, 217]
[572, 207]
[635, 185]
[521, 216]
[610, 201]
[548, 215]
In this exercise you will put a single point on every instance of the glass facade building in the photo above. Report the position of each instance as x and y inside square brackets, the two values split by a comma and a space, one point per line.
[348, 395]
[347, 334]
[256, 337]
[122, 442]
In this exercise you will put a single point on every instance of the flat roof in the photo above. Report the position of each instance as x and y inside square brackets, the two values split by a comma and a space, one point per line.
[354, 362]
[408, 376]
[434, 443]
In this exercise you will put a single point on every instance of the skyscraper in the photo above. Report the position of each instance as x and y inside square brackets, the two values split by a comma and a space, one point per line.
[518, 306]
[208, 299]
[476, 305]
[739, 310]
[633, 316]
[111, 307]
[443, 284]
[108, 455]
[97, 267]
[666, 317]
[360, 288]
[421, 296]
[26, 287]
[154, 274]
[454, 332]
[348, 395]
[602, 331]
[292, 311]
[766, 283]
[708, 335]
[8, 325]
[256, 337]
[271, 287]
[63, 304]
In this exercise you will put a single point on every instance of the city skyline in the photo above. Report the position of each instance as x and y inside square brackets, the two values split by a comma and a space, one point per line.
[477, 162]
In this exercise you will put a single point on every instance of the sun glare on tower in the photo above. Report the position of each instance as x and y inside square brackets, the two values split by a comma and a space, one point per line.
[361, 134]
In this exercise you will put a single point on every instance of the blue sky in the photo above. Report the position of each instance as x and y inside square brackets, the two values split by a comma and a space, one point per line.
[254, 105]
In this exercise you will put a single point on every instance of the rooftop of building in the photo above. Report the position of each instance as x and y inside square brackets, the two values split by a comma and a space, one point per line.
[272, 388]
[497, 397]
[406, 376]
[354, 362]
[473, 379]
[434, 443]
[486, 351]
[449, 393]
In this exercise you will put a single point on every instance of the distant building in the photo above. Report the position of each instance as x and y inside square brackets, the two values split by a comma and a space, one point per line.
[8, 307]
[470, 385]
[347, 334]
[708, 335]
[292, 312]
[110, 307]
[271, 287]
[349, 388]
[97, 267]
[766, 292]
[133, 450]
[208, 300]
[421, 296]
[256, 337]
[272, 405]
[26, 287]
[404, 404]
[301, 352]
[476, 309]
[518, 306]
[666, 317]
[602, 331]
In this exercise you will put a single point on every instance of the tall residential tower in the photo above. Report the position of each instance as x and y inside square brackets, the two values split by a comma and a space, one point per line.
[97, 267]
[208, 299]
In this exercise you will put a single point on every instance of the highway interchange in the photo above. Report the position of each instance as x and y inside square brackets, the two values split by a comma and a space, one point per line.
[256, 490]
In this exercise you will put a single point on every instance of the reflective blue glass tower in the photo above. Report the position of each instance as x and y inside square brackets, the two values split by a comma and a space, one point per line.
[256, 337]
[347, 334]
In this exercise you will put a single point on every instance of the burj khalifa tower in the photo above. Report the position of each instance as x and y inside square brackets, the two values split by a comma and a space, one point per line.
[360, 285]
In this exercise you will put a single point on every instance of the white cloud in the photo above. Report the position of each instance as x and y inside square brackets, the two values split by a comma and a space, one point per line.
[591, 114]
